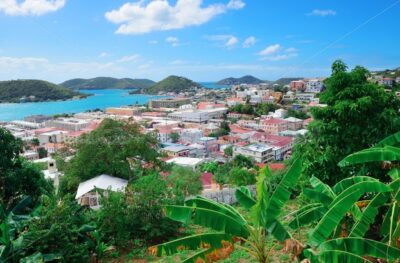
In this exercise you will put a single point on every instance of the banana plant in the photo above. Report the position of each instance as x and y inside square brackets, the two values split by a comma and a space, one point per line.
[229, 225]
[325, 246]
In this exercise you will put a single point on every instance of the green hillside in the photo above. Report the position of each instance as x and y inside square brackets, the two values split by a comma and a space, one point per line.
[34, 91]
[107, 83]
[243, 80]
[174, 84]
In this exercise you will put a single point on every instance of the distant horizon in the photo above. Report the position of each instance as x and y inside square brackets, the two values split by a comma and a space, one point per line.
[199, 39]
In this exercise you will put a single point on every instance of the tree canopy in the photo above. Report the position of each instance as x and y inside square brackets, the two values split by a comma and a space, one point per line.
[358, 115]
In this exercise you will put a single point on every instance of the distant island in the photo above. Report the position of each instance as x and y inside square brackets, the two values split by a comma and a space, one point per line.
[16, 91]
[107, 83]
[243, 80]
[175, 84]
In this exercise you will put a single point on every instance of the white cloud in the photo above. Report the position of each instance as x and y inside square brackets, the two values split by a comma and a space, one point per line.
[229, 41]
[103, 55]
[129, 59]
[177, 62]
[232, 41]
[319, 12]
[248, 42]
[30, 7]
[277, 53]
[174, 41]
[158, 15]
[153, 42]
[270, 50]
[236, 4]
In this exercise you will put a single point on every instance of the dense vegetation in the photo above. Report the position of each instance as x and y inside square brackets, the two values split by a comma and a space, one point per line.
[243, 80]
[107, 83]
[34, 91]
[358, 115]
[258, 110]
[173, 84]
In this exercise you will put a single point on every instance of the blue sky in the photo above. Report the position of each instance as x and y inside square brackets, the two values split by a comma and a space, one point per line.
[204, 40]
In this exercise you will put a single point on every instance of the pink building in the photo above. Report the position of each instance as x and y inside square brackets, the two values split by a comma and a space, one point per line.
[297, 85]
[274, 126]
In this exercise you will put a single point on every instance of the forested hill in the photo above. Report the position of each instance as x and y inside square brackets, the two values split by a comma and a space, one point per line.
[174, 84]
[107, 83]
[34, 91]
[243, 80]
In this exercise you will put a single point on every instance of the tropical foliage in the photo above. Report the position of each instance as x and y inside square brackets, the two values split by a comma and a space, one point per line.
[229, 225]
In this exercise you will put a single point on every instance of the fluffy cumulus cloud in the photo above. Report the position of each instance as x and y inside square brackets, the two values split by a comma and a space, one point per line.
[276, 53]
[250, 41]
[319, 12]
[159, 15]
[30, 7]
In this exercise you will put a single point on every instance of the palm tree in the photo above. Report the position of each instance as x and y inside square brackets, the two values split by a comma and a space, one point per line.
[229, 225]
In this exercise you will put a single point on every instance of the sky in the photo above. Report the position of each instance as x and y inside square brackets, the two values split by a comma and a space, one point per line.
[205, 40]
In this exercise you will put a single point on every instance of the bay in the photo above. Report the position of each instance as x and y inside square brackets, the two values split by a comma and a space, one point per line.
[100, 99]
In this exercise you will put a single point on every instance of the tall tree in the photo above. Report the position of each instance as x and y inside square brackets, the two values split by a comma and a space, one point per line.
[358, 115]
[18, 176]
[114, 148]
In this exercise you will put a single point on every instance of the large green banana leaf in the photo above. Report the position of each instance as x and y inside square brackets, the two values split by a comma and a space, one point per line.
[368, 216]
[391, 140]
[338, 208]
[193, 242]
[202, 202]
[259, 210]
[394, 173]
[244, 197]
[322, 187]
[201, 254]
[207, 218]
[378, 154]
[358, 246]
[284, 189]
[307, 216]
[347, 182]
[318, 196]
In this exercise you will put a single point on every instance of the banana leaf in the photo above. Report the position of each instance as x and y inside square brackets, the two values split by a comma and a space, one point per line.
[361, 247]
[308, 216]
[368, 216]
[259, 210]
[207, 218]
[322, 187]
[347, 182]
[378, 154]
[391, 140]
[198, 255]
[318, 196]
[340, 256]
[338, 208]
[192, 242]
[284, 189]
[244, 197]
[202, 202]
[394, 173]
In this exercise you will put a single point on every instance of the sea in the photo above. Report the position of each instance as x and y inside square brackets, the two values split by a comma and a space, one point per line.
[99, 99]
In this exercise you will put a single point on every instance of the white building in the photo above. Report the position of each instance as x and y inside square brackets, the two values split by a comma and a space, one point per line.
[87, 193]
[314, 85]
[189, 136]
[192, 163]
[69, 124]
[259, 152]
[52, 137]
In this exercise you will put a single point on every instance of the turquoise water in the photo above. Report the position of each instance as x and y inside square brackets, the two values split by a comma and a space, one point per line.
[101, 99]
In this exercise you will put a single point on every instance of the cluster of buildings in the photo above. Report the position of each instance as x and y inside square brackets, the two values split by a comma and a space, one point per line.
[185, 128]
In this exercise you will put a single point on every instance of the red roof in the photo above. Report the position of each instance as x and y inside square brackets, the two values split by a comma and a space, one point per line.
[207, 179]
[273, 166]
[237, 129]
[273, 121]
